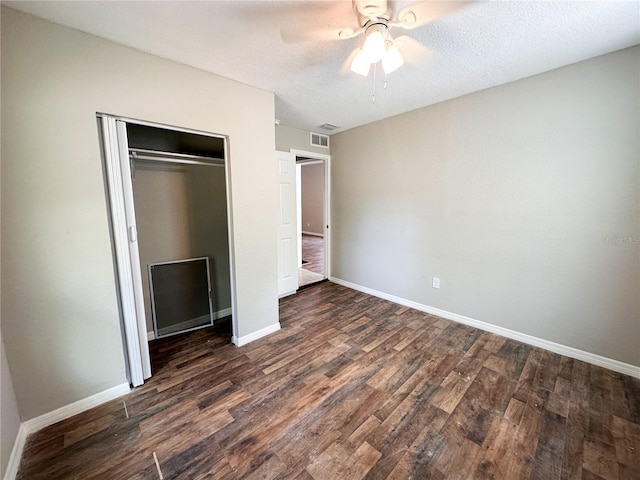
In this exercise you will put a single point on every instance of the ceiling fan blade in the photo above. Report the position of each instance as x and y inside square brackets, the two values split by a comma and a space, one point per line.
[319, 35]
[370, 8]
[421, 13]
[308, 20]
[413, 52]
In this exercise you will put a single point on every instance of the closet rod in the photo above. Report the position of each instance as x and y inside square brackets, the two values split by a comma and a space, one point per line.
[166, 157]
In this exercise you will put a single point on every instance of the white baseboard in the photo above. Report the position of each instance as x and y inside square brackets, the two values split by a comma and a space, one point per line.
[62, 413]
[189, 323]
[313, 234]
[74, 408]
[16, 454]
[263, 332]
[565, 350]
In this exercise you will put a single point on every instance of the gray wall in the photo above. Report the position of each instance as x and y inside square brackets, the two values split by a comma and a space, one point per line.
[523, 199]
[59, 311]
[9, 414]
[312, 186]
[181, 213]
[290, 137]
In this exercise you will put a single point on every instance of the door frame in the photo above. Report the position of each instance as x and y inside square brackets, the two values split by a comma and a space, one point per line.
[326, 230]
[118, 185]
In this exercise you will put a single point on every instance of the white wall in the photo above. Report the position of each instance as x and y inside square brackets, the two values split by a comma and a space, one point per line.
[59, 310]
[523, 199]
[8, 412]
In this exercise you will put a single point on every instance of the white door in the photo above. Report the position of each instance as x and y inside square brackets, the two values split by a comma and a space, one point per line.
[287, 220]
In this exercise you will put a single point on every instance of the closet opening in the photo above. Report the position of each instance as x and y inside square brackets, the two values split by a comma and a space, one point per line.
[171, 229]
[179, 195]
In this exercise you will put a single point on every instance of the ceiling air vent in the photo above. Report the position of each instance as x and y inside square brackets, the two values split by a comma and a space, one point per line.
[329, 126]
[319, 140]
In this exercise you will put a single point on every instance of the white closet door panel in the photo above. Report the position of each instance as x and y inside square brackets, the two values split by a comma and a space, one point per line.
[134, 255]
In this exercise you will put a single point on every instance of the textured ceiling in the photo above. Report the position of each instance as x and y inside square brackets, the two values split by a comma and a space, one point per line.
[476, 47]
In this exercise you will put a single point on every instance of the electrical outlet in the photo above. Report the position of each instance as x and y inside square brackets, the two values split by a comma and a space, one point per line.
[436, 282]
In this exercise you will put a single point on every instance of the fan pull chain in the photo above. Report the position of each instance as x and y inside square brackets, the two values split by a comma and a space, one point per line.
[375, 83]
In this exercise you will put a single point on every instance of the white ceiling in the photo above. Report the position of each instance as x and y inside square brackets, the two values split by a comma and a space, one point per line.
[477, 47]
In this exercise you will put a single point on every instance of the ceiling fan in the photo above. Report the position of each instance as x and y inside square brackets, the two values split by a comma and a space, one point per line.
[376, 19]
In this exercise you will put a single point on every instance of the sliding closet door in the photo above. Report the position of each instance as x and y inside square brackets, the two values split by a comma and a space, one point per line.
[123, 223]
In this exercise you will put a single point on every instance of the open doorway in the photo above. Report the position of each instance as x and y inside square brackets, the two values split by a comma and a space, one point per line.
[312, 207]
[290, 231]
[311, 221]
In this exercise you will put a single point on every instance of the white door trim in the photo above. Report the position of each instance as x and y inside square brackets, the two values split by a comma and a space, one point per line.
[299, 209]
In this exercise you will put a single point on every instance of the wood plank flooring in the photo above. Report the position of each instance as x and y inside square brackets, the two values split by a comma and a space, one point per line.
[312, 270]
[353, 387]
[313, 253]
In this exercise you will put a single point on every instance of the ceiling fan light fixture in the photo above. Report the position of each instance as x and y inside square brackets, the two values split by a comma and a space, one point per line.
[392, 59]
[374, 43]
[360, 64]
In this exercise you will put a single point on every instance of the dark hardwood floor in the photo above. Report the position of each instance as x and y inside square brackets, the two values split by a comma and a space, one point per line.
[353, 387]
